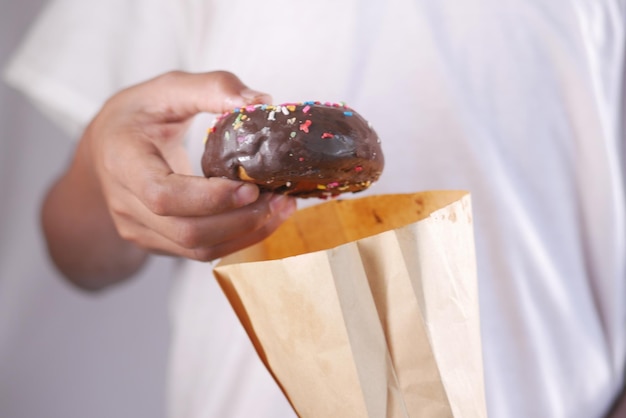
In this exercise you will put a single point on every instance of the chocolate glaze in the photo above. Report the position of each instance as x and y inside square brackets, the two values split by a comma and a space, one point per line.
[305, 150]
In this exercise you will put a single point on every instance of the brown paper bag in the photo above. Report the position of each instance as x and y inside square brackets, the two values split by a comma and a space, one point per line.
[367, 307]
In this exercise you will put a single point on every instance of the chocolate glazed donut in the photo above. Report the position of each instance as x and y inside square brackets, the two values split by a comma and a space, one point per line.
[305, 149]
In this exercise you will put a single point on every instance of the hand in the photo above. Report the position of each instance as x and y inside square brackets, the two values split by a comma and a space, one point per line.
[155, 201]
[132, 167]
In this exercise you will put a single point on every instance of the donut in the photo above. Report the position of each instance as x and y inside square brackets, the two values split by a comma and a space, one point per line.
[308, 149]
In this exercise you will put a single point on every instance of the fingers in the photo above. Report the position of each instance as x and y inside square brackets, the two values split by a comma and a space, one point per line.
[210, 237]
[228, 247]
[182, 195]
[142, 158]
[176, 96]
[140, 168]
[136, 150]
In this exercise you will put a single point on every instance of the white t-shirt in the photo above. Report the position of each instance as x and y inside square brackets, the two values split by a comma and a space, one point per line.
[519, 102]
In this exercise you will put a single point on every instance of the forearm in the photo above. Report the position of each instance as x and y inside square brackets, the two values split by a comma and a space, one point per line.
[81, 236]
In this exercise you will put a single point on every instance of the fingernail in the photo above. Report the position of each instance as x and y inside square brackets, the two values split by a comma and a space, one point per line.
[253, 96]
[283, 205]
[245, 194]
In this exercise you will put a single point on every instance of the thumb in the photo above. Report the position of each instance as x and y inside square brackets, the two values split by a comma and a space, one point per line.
[177, 96]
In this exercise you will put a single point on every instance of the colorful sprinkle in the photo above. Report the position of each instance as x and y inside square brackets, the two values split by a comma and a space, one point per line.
[285, 109]
[358, 168]
[293, 134]
[237, 123]
[305, 126]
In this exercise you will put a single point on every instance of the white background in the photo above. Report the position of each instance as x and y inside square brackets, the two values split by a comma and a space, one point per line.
[64, 353]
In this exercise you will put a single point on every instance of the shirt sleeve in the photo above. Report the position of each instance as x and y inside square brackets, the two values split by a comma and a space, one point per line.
[78, 53]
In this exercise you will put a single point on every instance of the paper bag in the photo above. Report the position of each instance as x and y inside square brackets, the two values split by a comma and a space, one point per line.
[367, 307]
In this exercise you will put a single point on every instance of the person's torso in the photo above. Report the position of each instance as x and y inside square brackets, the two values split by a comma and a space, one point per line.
[517, 102]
